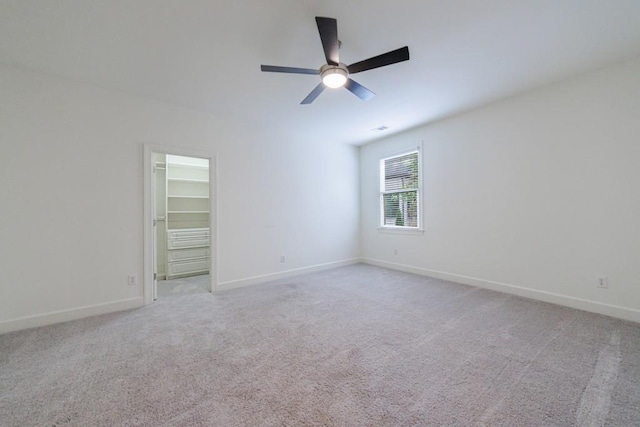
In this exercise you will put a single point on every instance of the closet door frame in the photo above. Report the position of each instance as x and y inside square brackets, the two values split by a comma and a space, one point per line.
[148, 211]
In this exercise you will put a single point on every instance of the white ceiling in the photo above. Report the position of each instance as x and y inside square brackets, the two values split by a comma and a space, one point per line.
[206, 54]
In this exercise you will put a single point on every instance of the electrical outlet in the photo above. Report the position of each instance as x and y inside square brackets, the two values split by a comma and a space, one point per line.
[603, 282]
[131, 280]
[282, 259]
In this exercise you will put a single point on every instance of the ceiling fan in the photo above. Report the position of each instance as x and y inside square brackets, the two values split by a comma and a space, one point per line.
[334, 73]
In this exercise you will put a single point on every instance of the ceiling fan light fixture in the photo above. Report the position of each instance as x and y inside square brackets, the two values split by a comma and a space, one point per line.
[334, 76]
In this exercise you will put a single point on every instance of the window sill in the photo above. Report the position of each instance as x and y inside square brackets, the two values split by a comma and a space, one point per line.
[401, 230]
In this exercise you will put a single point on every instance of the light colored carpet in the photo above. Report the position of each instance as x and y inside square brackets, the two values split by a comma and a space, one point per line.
[183, 285]
[353, 346]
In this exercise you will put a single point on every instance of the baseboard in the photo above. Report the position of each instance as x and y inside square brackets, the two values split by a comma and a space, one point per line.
[70, 314]
[254, 280]
[551, 297]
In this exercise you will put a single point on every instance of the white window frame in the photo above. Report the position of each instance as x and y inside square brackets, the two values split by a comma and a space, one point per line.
[382, 227]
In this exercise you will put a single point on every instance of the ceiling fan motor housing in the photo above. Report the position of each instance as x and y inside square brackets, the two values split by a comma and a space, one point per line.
[334, 75]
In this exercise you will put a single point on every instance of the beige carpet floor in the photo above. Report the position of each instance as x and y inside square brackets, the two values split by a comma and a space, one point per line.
[183, 285]
[354, 346]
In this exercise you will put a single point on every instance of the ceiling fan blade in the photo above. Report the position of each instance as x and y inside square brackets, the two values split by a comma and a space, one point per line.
[388, 58]
[314, 94]
[291, 70]
[328, 29]
[358, 90]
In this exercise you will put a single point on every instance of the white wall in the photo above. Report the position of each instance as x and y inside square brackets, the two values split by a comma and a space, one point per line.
[71, 186]
[537, 195]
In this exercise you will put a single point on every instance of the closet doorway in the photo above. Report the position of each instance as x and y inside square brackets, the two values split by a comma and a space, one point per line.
[181, 213]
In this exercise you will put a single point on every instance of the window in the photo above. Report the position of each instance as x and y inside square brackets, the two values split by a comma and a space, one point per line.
[400, 191]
